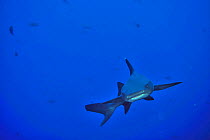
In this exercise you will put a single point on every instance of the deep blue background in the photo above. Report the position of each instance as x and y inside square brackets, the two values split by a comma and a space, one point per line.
[76, 55]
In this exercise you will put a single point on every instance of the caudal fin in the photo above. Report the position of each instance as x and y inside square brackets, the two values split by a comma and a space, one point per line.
[104, 108]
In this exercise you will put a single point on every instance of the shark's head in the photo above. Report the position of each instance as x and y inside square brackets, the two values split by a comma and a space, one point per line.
[141, 94]
[137, 87]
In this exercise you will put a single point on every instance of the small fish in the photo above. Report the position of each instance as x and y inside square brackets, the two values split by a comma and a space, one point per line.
[208, 102]
[168, 77]
[87, 27]
[33, 24]
[17, 133]
[66, 1]
[16, 53]
[204, 30]
[11, 30]
[51, 101]
[138, 25]
[175, 137]
[138, 1]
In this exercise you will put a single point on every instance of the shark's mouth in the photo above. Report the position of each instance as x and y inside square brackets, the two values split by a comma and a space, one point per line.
[135, 96]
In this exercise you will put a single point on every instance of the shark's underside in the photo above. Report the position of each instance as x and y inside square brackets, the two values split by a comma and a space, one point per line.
[136, 88]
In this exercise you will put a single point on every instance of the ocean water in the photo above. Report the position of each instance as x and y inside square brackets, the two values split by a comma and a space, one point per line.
[57, 56]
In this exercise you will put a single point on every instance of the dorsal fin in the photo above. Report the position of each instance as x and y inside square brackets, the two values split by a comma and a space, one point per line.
[119, 85]
[129, 66]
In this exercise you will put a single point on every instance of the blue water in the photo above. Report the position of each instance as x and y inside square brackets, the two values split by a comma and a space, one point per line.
[64, 54]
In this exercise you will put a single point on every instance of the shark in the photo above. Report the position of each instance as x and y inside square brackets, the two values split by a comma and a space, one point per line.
[137, 87]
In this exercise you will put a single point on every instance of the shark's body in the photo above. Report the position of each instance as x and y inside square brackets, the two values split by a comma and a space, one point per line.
[136, 88]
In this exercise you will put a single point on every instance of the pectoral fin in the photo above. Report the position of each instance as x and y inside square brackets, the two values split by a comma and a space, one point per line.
[127, 106]
[161, 87]
[149, 98]
[119, 85]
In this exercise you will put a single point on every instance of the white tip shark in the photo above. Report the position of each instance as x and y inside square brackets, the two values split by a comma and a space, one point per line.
[136, 88]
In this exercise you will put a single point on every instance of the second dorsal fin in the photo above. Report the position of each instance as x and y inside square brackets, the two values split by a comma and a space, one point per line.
[129, 66]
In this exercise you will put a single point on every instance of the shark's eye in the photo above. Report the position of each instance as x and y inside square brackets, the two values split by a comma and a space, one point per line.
[147, 86]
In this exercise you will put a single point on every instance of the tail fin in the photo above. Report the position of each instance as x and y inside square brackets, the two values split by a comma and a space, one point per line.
[104, 108]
